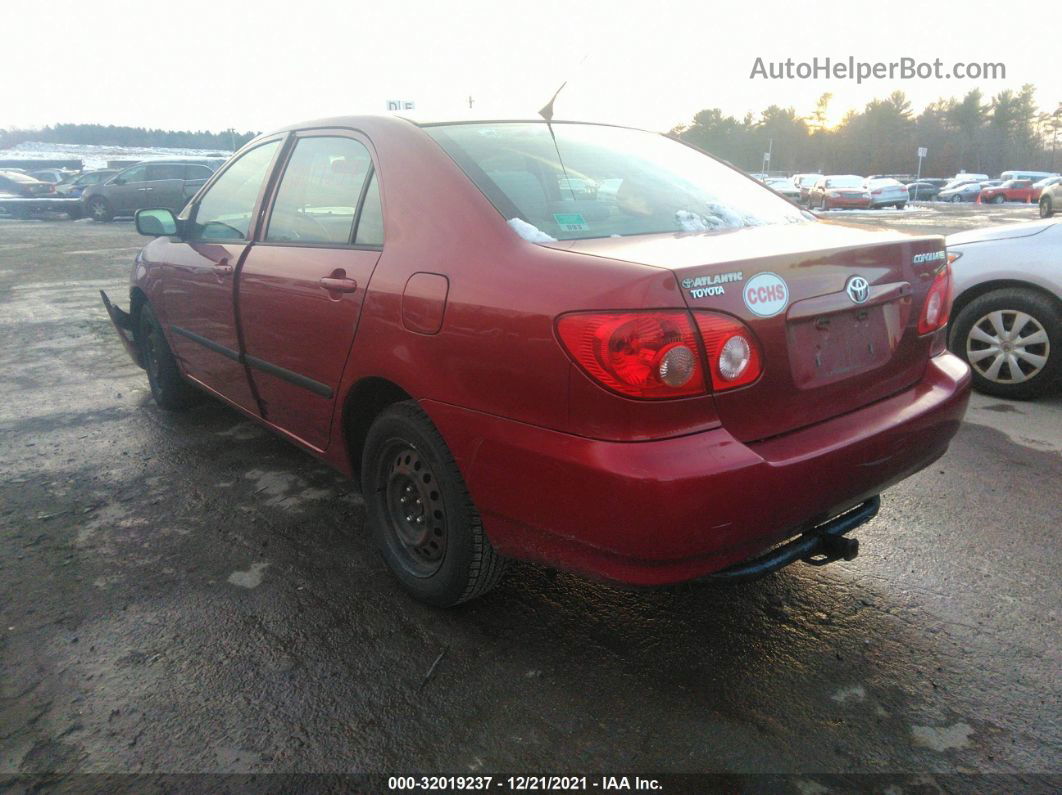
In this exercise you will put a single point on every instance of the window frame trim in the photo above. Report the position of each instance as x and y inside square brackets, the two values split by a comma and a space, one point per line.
[269, 201]
[191, 210]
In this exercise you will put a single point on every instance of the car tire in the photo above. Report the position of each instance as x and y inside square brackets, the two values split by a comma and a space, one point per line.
[100, 210]
[984, 332]
[423, 521]
[1046, 210]
[999, 199]
[168, 387]
[956, 198]
[900, 205]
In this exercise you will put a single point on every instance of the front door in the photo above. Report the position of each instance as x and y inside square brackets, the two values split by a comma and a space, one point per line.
[302, 285]
[199, 273]
[124, 191]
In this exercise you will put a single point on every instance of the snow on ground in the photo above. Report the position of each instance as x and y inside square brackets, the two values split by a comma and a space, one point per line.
[97, 156]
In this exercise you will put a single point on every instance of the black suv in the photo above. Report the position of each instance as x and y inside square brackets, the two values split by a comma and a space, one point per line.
[154, 183]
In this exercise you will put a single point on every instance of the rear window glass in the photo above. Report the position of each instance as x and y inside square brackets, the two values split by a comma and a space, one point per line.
[598, 181]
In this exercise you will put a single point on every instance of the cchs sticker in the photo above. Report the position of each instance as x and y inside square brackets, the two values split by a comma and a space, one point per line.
[766, 294]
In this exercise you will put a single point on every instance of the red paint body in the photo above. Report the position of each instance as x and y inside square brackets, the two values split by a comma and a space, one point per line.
[460, 313]
[1015, 190]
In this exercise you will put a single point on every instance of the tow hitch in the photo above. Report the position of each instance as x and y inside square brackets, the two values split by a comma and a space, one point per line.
[820, 545]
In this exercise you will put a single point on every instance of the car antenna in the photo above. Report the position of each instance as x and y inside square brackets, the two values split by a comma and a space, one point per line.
[547, 114]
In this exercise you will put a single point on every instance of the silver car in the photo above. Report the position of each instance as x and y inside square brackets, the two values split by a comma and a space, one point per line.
[886, 192]
[165, 184]
[1006, 319]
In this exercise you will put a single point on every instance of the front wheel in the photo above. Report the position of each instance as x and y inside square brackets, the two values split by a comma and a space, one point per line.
[900, 205]
[956, 198]
[422, 517]
[168, 388]
[998, 199]
[1012, 340]
[1046, 210]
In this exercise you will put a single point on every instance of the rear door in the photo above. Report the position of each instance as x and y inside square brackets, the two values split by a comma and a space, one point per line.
[199, 274]
[195, 177]
[302, 285]
[162, 187]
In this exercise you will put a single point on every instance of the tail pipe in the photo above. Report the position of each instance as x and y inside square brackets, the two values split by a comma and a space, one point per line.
[823, 544]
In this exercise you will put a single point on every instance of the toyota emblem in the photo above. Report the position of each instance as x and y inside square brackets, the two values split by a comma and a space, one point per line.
[858, 289]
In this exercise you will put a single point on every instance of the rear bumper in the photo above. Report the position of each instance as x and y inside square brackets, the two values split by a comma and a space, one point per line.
[651, 513]
[849, 203]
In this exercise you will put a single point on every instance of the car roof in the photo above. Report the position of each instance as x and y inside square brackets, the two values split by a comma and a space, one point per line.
[18, 176]
[379, 123]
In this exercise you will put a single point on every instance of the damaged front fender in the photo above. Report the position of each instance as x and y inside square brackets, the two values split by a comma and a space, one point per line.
[123, 324]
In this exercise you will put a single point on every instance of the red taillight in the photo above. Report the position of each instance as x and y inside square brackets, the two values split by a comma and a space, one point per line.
[637, 354]
[734, 356]
[937, 305]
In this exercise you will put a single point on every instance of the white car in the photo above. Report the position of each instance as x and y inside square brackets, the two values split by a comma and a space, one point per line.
[885, 191]
[1006, 319]
[783, 187]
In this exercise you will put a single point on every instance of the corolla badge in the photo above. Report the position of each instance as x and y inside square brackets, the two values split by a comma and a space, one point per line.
[858, 289]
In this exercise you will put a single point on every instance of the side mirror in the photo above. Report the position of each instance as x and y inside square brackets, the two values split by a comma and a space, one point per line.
[156, 223]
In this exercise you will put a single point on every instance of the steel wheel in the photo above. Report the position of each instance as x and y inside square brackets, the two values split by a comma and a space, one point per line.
[1008, 346]
[415, 510]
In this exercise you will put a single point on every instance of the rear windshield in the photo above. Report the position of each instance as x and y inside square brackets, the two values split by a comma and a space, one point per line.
[599, 181]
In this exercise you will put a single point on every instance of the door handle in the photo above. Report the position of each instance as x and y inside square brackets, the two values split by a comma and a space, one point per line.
[337, 284]
[223, 268]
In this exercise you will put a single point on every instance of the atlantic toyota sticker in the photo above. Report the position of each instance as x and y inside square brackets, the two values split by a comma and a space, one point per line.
[766, 294]
[704, 286]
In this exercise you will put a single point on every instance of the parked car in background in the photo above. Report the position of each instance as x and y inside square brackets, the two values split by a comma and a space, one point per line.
[18, 190]
[1013, 190]
[54, 176]
[960, 192]
[1050, 200]
[576, 406]
[887, 192]
[1007, 311]
[1046, 182]
[805, 182]
[964, 176]
[845, 191]
[18, 184]
[155, 183]
[76, 186]
[783, 187]
[1029, 175]
[922, 191]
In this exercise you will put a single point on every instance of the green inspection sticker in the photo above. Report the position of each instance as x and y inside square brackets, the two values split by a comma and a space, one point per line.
[570, 222]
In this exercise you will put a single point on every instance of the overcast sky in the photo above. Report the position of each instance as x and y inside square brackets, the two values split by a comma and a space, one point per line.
[259, 64]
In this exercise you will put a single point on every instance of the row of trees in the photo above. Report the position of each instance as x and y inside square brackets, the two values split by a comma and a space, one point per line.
[1008, 131]
[109, 135]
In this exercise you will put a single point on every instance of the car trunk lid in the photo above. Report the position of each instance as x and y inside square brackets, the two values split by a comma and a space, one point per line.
[830, 345]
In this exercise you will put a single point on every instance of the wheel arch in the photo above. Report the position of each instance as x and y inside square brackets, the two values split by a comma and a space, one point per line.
[363, 403]
[983, 288]
[137, 299]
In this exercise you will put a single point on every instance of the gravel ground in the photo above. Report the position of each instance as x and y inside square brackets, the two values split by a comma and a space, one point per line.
[189, 594]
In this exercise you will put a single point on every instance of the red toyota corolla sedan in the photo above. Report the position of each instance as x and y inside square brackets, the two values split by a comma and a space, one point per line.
[588, 346]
